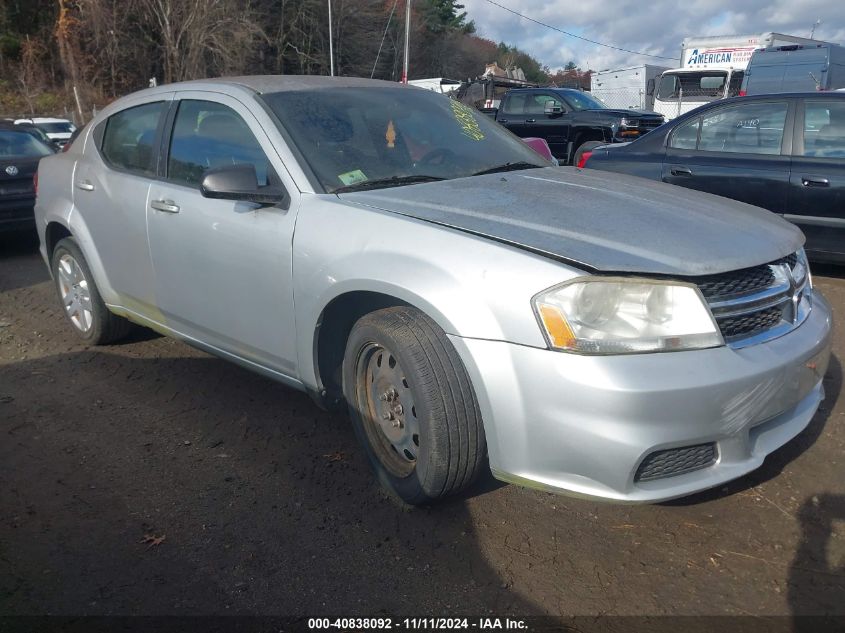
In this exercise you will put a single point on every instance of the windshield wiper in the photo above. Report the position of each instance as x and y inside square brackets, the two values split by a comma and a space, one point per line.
[507, 167]
[394, 181]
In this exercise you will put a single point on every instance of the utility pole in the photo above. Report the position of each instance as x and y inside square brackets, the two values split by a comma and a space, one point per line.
[407, 40]
[813, 31]
[331, 37]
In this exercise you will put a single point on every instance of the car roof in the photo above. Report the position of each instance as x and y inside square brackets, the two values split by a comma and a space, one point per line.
[264, 84]
[47, 119]
[751, 98]
[567, 90]
[16, 127]
[813, 94]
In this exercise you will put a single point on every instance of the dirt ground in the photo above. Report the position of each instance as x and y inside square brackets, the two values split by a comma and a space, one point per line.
[150, 478]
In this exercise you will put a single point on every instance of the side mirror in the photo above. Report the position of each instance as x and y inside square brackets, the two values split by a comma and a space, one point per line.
[649, 87]
[552, 107]
[239, 182]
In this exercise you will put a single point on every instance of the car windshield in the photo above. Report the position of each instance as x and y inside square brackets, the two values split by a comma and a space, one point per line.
[56, 128]
[382, 137]
[583, 101]
[21, 144]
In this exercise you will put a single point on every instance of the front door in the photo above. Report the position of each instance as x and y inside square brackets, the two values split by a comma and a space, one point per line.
[554, 127]
[738, 151]
[223, 268]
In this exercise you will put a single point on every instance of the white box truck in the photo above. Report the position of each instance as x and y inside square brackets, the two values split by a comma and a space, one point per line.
[711, 68]
[626, 87]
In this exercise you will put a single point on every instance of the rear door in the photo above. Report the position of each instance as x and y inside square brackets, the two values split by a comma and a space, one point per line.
[816, 200]
[737, 150]
[512, 113]
[110, 187]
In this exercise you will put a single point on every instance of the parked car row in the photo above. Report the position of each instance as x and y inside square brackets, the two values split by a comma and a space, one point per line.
[23, 142]
[398, 253]
[58, 130]
[784, 153]
[571, 121]
[21, 147]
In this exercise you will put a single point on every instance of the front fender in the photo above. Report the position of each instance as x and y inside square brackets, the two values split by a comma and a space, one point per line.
[470, 286]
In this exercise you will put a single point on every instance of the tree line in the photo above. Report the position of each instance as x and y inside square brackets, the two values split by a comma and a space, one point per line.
[106, 48]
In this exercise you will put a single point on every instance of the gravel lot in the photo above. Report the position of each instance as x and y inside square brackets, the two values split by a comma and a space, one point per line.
[151, 478]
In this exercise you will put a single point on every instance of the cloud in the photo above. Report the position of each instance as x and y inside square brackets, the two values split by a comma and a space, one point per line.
[657, 27]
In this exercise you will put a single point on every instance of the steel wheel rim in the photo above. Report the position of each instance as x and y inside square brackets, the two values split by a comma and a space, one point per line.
[389, 412]
[76, 295]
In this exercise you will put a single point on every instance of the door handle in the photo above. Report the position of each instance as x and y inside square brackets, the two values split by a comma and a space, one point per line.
[85, 185]
[680, 171]
[503, 120]
[530, 120]
[165, 205]
[815, 181]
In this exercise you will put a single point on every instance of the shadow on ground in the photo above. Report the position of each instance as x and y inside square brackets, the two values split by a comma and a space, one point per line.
[817, 573]
[263, 504]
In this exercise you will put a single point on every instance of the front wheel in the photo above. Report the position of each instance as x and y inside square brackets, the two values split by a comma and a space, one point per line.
[412, 405]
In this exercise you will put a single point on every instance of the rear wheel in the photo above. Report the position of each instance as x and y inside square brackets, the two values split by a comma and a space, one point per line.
[81, 302]
[589, 146]
[412, 405]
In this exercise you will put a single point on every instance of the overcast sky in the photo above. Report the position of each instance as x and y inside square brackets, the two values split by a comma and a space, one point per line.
[650, 26]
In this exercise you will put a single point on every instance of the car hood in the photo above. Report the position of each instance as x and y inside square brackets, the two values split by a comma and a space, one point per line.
[598, 221]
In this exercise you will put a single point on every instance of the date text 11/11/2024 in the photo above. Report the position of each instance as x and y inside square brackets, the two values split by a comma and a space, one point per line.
[416, 624]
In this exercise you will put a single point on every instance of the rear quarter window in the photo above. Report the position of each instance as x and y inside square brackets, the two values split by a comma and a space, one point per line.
[128, 141]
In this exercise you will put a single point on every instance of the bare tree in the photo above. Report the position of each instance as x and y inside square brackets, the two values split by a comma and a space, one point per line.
[199, 38]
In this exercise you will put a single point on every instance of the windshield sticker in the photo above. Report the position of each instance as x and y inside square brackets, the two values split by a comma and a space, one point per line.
[390, 135]
[352, 177]
[464, 117]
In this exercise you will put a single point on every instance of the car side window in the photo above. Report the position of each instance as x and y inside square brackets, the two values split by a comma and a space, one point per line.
[748, 128]
[686, 136]
[129, 138]
[208, 134]
[824, 129]
[537, 103]
[515, 104]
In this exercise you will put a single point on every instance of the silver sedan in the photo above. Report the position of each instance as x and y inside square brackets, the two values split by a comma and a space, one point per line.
[390, 250]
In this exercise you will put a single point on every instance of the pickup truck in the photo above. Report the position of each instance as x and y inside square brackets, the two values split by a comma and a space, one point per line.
[571, 121]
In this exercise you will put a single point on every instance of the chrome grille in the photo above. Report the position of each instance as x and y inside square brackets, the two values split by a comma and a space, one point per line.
[760, 303]
[736, 282]
[646, 125]
[747, 324]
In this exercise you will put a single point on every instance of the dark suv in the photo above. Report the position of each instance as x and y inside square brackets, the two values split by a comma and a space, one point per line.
[571, 121]
[784, 152]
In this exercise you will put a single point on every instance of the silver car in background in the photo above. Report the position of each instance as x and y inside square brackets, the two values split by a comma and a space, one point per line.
[388, 248]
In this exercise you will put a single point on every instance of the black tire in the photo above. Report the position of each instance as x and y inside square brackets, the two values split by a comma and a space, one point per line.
[103, 327]
[589, 146]
[450, 446]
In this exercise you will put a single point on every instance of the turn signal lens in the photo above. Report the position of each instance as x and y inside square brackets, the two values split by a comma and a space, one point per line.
[556, 326]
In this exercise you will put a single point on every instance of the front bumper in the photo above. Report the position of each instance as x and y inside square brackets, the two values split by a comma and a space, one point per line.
[583, 424]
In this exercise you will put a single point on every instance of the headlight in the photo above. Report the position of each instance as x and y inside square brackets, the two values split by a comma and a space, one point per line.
[613, 315]
[626, 122]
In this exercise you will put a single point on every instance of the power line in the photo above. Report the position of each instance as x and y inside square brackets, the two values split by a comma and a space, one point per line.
[586, 39]
[384, 35]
